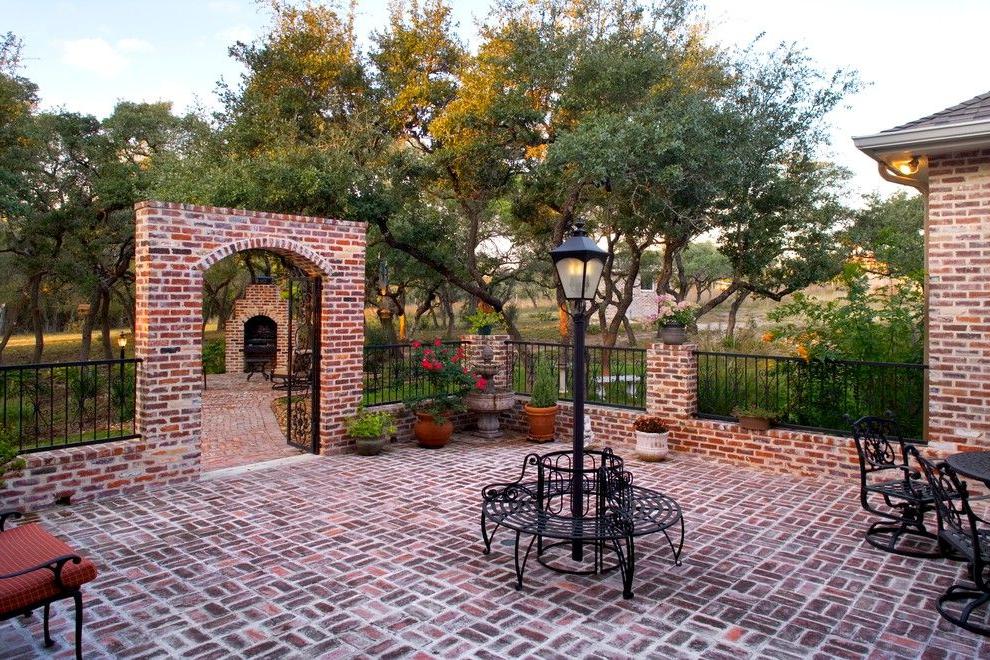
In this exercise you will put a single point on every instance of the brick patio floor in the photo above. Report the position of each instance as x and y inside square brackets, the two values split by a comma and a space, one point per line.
[349, 556]
[239, 426]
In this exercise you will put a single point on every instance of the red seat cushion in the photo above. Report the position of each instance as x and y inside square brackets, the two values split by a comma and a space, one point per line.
[29, 545]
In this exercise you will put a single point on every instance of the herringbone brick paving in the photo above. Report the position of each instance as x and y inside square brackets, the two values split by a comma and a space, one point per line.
[349, 556]
[239, 426]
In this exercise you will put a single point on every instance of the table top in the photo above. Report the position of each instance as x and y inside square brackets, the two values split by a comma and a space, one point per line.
[972, 464]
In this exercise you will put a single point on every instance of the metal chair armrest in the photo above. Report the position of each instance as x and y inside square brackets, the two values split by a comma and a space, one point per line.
[54, 565]
[9, 515]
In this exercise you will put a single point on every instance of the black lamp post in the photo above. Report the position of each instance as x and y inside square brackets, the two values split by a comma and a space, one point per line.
[579, 263]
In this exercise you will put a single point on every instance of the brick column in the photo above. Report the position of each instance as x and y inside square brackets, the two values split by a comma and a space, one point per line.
[671, 381]
[958, 295]
[499, 350]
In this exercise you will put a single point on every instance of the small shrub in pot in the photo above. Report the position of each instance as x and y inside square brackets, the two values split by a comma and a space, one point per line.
[754, 418]
[371, 431]
[541, 411]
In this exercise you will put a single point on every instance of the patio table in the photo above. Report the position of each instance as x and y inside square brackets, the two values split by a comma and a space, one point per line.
[972, 464]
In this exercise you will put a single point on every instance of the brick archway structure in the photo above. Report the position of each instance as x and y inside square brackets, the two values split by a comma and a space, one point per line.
[175, 245]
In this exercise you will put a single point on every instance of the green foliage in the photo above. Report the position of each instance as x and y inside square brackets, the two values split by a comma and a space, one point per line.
[368, 424]
[482, 319]
[755, 411]
[446, 372]
[544, 385]
[885, 324]
[215, 355]
[9, 461]
[84, 387]
[891, 231]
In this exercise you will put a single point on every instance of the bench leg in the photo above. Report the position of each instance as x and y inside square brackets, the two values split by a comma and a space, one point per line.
[484, 533]
[48, 638]
[77, 597]
[521, 567]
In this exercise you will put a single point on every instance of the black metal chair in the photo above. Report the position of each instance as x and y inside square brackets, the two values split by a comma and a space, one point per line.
[962, 531]
[299, 378]
[906, 497]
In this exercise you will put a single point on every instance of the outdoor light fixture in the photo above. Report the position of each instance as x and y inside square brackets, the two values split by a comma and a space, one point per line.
[579, 263]
[122, 341]
[907, 167]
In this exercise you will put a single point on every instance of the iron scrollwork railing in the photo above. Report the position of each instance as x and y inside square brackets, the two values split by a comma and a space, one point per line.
[390, 376]
[616, 376]
[811, 394]
[54, 405]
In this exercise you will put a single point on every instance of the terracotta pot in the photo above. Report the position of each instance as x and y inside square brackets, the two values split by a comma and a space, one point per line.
[431, 432]
[754, 423]
[541, 422]
[652, 446]
[673, 333]
[369, 446]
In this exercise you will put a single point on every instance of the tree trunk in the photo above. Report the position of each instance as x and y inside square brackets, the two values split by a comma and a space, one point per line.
[37, 323]
[730, 327]
[630, 333]
[87, 326]
[105, 325]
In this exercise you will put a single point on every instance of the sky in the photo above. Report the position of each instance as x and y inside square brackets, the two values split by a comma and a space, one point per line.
[914, 57]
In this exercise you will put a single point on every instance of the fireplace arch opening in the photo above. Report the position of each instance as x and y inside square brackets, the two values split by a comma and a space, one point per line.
[260, 340]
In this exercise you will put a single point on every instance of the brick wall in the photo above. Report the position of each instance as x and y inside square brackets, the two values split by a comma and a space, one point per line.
[958, 264]
[258, 300]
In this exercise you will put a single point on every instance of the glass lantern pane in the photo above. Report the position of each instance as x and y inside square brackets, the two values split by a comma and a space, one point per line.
[571, 272]
[592, 277]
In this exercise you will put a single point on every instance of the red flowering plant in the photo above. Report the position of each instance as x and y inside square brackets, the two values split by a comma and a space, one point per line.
[445, 370]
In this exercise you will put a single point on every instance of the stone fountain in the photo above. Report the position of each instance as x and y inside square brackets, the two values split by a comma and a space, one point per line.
[490, 402]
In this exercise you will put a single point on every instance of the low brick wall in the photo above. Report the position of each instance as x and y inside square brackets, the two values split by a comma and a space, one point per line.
[82, 473]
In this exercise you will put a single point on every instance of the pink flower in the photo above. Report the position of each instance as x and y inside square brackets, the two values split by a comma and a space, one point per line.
[481, 383]
[416, 344]
[426, 364]
[437, 342]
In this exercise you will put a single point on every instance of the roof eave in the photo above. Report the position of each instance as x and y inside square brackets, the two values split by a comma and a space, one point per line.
[926, 140]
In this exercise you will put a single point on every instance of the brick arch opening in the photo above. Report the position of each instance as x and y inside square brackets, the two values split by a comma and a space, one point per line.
[175, 245]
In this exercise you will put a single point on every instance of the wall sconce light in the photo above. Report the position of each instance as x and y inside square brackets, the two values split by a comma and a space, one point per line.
[907, 167]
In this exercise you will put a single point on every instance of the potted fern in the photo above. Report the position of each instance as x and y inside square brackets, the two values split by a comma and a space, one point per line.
[541, 411]
[371, 431]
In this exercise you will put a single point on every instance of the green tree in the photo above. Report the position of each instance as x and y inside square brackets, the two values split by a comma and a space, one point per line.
[891, 231]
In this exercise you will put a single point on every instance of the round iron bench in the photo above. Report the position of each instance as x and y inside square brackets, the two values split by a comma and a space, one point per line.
[614, 514]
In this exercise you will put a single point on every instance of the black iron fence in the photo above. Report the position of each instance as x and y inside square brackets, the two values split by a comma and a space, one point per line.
[48, 406]
[616, 376]
[813, 394]
[390, 376]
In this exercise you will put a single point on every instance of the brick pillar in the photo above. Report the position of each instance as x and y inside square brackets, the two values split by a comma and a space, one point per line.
[958, 295]
[671, 381]
[499, 349]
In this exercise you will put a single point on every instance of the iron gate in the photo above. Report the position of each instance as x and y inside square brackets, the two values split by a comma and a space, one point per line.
[302, 388]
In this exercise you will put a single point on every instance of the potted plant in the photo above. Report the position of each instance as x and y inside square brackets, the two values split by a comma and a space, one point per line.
[371, 431]
[673, 318]
[448, 382]
[754, 418]
[483, 321]
[541, 411]
[651, 438]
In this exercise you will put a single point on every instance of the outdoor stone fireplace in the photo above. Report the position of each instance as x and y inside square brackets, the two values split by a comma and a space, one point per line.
[258, 325]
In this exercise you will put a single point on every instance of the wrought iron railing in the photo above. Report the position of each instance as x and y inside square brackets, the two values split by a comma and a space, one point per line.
[616, 376]
[811, 394]
[49, 406]
[390, 376]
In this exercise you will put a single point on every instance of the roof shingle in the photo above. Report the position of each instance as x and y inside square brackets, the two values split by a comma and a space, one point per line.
[975, 109]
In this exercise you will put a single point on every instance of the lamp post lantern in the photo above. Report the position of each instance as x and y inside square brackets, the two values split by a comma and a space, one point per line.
[579, 263]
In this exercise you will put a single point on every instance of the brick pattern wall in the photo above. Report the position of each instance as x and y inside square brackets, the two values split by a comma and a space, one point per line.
[958, 264]
[500, 354]
[258, 300]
